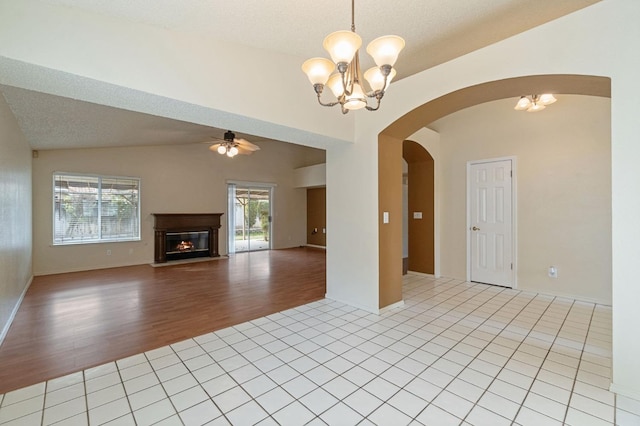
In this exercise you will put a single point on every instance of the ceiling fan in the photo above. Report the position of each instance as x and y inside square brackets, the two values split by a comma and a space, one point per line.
[232, 146]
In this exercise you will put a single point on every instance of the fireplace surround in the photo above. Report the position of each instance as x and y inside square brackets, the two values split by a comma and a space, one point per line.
[185, 235]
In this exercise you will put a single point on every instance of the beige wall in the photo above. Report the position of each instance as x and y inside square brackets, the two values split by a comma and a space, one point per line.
[563, 157]
[174, 179]
[15, 215]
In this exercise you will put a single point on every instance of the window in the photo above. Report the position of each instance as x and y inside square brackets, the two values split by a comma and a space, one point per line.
[93, 209]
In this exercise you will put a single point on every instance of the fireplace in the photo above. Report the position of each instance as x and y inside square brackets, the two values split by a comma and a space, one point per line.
[185, 235]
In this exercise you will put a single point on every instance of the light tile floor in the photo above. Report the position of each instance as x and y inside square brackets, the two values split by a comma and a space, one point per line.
[456, 353]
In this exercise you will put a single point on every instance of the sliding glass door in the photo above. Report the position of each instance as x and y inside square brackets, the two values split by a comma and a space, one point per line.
[249, 218]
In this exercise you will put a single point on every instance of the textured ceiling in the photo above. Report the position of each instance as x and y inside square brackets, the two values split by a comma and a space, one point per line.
[435, 32]
[54, 122]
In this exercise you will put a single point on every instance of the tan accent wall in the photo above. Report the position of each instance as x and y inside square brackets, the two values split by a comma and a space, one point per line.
[390, 200]
[421, 199]
[317, 216]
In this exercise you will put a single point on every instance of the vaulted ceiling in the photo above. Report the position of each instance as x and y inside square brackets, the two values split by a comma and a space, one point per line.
[435, 31]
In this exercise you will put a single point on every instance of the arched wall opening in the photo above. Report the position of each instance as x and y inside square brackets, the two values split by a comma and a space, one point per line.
[420, 212]
[390, 142]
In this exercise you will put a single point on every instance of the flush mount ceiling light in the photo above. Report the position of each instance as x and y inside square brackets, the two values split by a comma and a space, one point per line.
[346, 81]
[534, 103]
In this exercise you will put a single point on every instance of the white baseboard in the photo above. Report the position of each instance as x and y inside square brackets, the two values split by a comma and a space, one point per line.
[546, 292]
[625, 391]
[5, 329]
[392, 306]
[355, 305]
[366, 308]
[316, 246]
[421, 274]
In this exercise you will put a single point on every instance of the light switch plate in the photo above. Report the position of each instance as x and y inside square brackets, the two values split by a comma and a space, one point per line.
[417, 215]
[385, 217]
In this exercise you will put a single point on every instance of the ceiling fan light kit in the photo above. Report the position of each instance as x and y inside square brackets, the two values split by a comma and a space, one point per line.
[343, 74]
[231, 146]
[534, 103]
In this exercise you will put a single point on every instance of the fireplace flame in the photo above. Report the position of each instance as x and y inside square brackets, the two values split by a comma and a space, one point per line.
[185, 246]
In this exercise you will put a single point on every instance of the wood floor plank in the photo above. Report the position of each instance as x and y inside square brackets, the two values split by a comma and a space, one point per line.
[69, 322]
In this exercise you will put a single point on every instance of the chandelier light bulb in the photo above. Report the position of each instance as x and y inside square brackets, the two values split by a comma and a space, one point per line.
[222, 150]
[342, 46]
[385, 50]
[376, 79]
[534, 103]
[335, 84]
[536, 107]
[547, 99]
[523, 104]
[318, 70]
[357, 99]
[233, 151]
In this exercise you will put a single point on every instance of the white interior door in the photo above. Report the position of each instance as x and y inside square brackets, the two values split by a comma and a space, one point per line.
[490, 222]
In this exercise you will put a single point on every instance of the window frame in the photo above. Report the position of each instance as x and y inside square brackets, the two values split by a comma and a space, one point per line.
[100, 239]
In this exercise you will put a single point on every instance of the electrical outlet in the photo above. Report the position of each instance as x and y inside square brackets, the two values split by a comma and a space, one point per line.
[108, 252]
[553, 272]
[130, 251]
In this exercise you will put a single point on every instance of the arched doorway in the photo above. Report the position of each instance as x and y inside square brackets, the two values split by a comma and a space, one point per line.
[390, 153]
[420, 214]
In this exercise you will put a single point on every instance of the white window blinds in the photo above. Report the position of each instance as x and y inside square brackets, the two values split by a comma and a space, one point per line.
[95, 209]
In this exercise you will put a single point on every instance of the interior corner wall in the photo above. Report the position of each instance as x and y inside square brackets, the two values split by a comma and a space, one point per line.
[563, 179]
[15, 216]
[174, 179]
[390, 231]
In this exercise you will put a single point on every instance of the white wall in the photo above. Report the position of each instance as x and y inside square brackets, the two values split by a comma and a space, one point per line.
[174, 179]
[15, 216]
[563, 157]
[568, 45]
[310, 176]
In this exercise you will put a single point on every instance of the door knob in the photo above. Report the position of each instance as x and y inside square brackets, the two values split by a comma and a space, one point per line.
[475, 228]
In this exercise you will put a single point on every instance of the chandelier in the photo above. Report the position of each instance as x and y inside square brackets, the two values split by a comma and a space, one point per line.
[534, 103]
[343, 75]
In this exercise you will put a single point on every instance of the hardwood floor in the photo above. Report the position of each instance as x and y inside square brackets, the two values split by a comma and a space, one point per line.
[69, 322]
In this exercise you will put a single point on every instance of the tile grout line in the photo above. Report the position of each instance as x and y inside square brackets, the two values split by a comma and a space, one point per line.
[544, 359]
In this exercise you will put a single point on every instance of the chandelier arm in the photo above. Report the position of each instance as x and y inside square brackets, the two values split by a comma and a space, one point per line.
[330, 104]
[376, 107]
[378, 94]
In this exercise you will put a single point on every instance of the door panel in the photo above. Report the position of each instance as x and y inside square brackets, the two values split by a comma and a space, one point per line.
[491, 222]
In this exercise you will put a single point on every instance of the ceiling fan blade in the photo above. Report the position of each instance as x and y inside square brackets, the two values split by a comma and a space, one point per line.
[244, 151]
[214, 147]
[246, 145]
